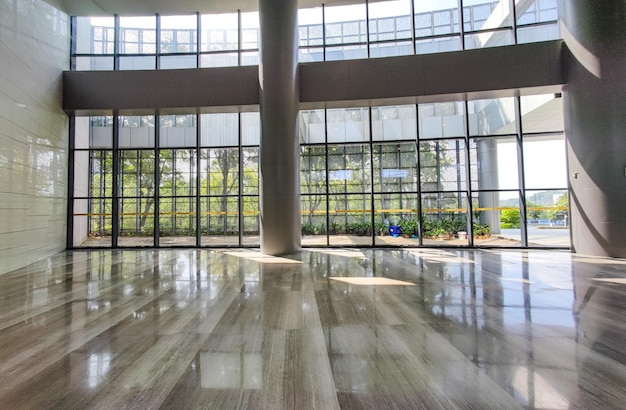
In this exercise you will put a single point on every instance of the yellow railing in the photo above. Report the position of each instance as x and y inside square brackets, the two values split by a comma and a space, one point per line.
[331, 211]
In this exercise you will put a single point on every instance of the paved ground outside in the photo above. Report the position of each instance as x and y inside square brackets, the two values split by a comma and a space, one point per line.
[537, 236]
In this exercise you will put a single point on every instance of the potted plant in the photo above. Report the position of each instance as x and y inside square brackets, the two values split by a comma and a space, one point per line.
[408, 227]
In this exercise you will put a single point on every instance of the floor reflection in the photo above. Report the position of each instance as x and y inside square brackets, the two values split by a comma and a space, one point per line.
[392, 328]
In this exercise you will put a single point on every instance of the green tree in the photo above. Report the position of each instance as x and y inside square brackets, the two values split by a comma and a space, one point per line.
[561, 209]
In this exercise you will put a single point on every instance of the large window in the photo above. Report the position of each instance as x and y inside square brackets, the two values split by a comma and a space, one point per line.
[361, 30]
[165, 181]
[436, 174]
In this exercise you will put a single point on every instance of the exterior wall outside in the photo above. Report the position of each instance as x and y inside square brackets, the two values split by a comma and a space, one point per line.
[34, 51]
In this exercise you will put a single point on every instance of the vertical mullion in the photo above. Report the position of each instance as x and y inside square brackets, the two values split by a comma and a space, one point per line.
[324, 41]
[470, 207]
[521, 172]
[240, 208]
[115, 222]
[198, 45]
[419, 179]
[73, 31]
[461, 24]
[367, 27]
[239, 39]
[468, 177]
[413, 28]
[158, 41]
[372, 203]
[512, 4]
[116, 40]
[327, 176]
[157, 179]
[69, 238]
[198, 180]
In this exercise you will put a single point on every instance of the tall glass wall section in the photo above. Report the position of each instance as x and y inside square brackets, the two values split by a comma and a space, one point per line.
[487, 173]
[362, 30]
[167, 180]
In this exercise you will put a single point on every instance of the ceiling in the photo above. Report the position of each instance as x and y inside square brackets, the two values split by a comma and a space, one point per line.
[169, 7]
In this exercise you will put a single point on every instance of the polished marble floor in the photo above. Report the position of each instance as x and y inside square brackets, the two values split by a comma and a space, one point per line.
[324, 329]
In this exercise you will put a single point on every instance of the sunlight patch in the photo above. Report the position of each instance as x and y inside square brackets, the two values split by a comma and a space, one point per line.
[619, 281]
[259, 257]
[365, 281]
[340, 252]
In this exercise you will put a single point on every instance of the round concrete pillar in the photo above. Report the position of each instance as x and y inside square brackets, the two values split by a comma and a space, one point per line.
[595, 123]
[280, 150]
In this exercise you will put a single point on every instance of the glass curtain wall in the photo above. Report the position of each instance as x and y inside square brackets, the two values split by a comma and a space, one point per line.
[438, 174]
[362, 30]
[144, 181]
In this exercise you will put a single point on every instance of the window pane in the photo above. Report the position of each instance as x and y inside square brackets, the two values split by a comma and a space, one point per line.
[251, 128]
[313, 221]
[250, 171]
[533, 34]
[177, 221]
[542, 113]
[307, 55]
[486, 14]
[350, 124]
[544, 162]
[313, 170]
[391, 49]
[177, 169]
[394, 123]
[249, 31]
[178, 34]
[136, 131]
[310, 28]
[444, 219]
[395, 167]
[137, 63]
[136, 220]
[438, 45]
[489, 39]
[251, 226]
[345, 24]
[492, 117]
[177, 131]
[219, 32]
[92, 63]
[219, 130]
[348, 168]
[95, 35]
[219, 60]
[137, 35]
[497, 220]
[536, 11]
[442, 165]
[100, 132]
[93, 220]
[311, 126]
[437, 120]
[390, 20]
[137, 177]
[548, 218]
[436, 18]
[346, 52]
[396, 220]
[494, 163]
[219, 220]
[350, 220]
[177, 62]
[219, 172]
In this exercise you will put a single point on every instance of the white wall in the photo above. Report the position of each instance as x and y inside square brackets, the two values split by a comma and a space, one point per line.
[34, 50]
